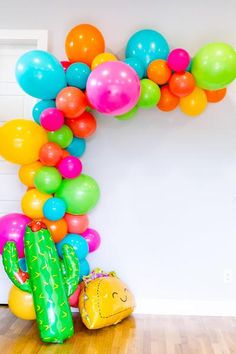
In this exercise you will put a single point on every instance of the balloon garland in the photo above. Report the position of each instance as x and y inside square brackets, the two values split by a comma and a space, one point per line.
[55, 244]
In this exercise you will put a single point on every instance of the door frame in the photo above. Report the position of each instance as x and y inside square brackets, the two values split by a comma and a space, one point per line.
[40, 37]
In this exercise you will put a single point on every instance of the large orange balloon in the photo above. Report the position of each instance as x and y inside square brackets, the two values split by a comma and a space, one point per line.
[195, 103]
[182, 84]
[21, 140]
[58, 229]
[21, 304]
[32, 203]
[216, 96]
[71, 101]
[27, 172]
[159, 71]
[168, 102]
[83, 43]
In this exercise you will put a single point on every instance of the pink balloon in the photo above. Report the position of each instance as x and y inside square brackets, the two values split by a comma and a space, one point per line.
[51, 119]
[178, 60]
[76, 223]
[12, 228]
[74, 298]
[93, 238]
[70, 167]
[113, 88]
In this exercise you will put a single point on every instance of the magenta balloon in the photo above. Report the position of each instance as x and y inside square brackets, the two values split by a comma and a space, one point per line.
[93, 239]
[70, 167]
[113, 88]
[12, 228]
[51, 119]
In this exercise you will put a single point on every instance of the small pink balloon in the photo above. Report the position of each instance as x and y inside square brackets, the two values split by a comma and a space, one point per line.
[70, 167]
[65, 64]
[178, 59]
[74, 298]
[113, 88]
[93, 238]
[12, 228]
[51, 119]
[76, 224]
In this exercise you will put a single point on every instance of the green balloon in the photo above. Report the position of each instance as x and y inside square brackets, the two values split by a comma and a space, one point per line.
[80, 194]
[214, 66]
[150, 94]
[128, 115]
[62, 136]
[47, 179]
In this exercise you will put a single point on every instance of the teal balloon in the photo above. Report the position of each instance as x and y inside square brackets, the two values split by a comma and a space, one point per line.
[79, 244]
[147, 45]
[129, 115]
[40, 74]
[77, 147]
[77, 75]
[84, 268]
[40, 106]
[137, 65]
[214, 66]
[80, 194]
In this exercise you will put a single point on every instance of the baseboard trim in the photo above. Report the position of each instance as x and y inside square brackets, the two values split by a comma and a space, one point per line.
[185, 307]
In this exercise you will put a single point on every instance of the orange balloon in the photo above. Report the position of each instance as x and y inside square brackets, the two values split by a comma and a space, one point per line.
[83, 43]
[71, 101]
[216, 96]
[27, 172]
[159, 71]
[168, 101]
[182, 84]
[65, 153]
[32, 203]
[58, 229]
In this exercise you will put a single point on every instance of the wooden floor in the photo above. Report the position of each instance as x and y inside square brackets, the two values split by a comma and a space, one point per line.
[135, 335]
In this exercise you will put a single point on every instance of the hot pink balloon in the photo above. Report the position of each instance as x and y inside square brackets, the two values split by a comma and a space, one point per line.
[74, 298]
[76, 223]
[70, 167]
[51, 119]
[113, 88]
[93, 238]
[178, 59]
[12, 228]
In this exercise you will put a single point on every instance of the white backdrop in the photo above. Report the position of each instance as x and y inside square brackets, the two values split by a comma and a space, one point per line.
[168, 182]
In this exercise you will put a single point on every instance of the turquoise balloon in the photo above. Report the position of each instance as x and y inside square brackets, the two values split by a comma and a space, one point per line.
[77, 147]
[137, 65]
[84, 268]
[214, 66]
[39, 107]
[79, 244]
[147, 45]
[54, 209]
[40, 74]
[77, 75]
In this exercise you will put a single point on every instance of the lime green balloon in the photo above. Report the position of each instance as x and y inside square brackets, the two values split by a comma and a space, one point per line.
[214, 66]
[128, 115]
[47, 179]
[80, 194]
[150, 94]
[62, 136]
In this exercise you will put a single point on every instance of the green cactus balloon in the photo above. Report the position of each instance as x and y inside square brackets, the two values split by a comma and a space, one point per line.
[50, 280]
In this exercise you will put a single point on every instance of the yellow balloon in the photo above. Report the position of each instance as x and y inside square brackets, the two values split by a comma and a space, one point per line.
[32, 203]
[27, 172]
[21, 304]
[102, 58]
[195, 103]
[21, 140]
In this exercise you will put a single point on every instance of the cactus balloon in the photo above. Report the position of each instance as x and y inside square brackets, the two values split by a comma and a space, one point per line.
[51, 281]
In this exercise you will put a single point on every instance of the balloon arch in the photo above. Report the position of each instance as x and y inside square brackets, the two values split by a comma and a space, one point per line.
[58, 195]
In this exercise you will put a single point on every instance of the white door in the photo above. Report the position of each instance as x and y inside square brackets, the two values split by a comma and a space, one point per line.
[14, 103]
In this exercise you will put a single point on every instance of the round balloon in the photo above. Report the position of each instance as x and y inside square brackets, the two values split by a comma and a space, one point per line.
[40, 74]
[63, 137]
[113, 88]
[12, 228]
[51, 119]
[50, 154]
[27, 172]
[77, 147]
[74, 298]
[77, 75]
[54, 209]
[150, 94]
[182, 84]
[71, 101]
[57, 229]
[76, 223]
[102, 58]
[70, 167]
[47, 179]
[77, 242]
[168, 101]
[178, 60]
[84, 126]
[216, 95]
[195, 103]
[84, 268]
[40, 106]
[32, 203]
[21, 140]
[21, 304]
[159, 71]
[137, 65]
[80, 194]
[93, 239]
[214, 66]
[147, 45]
[83, 43]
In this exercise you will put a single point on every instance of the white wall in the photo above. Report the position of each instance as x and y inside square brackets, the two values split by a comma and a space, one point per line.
[167, 215]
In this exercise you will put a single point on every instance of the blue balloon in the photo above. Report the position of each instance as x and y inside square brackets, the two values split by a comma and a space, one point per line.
[79, 244]
[77, 147]
[22, 264]
[147, 45]
[77, 75]
[54, 209]
[40, 106]
[40, 74]
[137, 65]
[84, 268]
